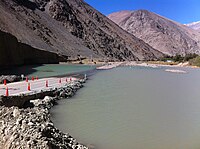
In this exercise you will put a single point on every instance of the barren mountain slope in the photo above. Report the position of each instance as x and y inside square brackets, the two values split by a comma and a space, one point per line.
[161, 33]
[71, 28]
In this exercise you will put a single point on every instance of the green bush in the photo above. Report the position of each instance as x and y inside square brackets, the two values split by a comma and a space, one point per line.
[195, 61]
[190, 56]
[180, 58]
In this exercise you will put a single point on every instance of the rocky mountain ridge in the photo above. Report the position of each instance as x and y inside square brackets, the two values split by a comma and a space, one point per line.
[71, 29]
[161, 33]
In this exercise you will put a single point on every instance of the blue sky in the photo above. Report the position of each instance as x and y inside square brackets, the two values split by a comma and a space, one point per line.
[183, 11]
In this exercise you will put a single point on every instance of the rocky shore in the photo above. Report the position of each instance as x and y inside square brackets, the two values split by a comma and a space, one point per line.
[9, 78]
[30, 127]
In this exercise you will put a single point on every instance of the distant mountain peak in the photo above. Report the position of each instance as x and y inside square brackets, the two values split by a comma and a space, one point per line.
[194, 25]
[142, 11]
[161, 33]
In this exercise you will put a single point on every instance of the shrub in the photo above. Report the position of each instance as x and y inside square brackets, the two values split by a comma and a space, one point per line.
[180, 58]
[195, 61]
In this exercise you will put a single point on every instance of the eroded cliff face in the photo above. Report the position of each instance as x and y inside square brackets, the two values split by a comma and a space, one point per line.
[16, 53]
[165, 35]
[71, 28]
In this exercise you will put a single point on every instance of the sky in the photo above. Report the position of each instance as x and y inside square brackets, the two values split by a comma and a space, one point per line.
[182, 11]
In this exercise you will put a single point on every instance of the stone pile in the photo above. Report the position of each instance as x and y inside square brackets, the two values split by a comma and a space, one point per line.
[31, 128]
[9, 78]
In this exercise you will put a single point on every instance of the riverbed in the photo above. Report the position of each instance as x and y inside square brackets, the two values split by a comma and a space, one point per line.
[136, 108]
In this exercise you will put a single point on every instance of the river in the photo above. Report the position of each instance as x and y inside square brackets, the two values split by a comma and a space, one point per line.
[135, 108]
[47, 70]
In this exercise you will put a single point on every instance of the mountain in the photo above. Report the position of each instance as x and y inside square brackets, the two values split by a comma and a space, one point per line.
[194, 25]
[71, 29]
[163, 34]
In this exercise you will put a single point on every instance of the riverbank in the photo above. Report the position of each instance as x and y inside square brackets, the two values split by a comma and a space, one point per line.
[109, 66]
[170, 67]
[31, 126]
[156, 64]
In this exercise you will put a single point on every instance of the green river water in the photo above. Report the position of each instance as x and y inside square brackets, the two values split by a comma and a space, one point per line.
[47, 70]
[134, 108]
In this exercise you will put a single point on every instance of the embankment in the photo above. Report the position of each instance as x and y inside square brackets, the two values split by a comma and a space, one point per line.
[31, 127]
[14, 53]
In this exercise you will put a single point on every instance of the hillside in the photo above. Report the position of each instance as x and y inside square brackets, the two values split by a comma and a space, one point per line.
[163, 34]
[71, 29]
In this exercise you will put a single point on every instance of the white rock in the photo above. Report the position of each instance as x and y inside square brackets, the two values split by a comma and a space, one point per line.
[16, 112]
[30, 123]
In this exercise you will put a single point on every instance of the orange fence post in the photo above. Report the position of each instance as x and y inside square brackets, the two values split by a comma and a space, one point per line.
[4, 82]
[47, 83]
[7, 92]
[29, 86]
[26, 79]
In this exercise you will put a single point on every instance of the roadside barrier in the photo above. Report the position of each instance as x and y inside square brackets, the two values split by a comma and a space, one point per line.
[4, 82]
[7, 92]
[29, 86]
[47, 85]
[26, 79]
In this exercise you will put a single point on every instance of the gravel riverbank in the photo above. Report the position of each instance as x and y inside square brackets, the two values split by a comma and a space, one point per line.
[32, 128]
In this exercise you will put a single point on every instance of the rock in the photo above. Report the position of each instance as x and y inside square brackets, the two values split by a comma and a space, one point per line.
[9, 78]
[16, 112]
[30, 124]
[31, 128]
